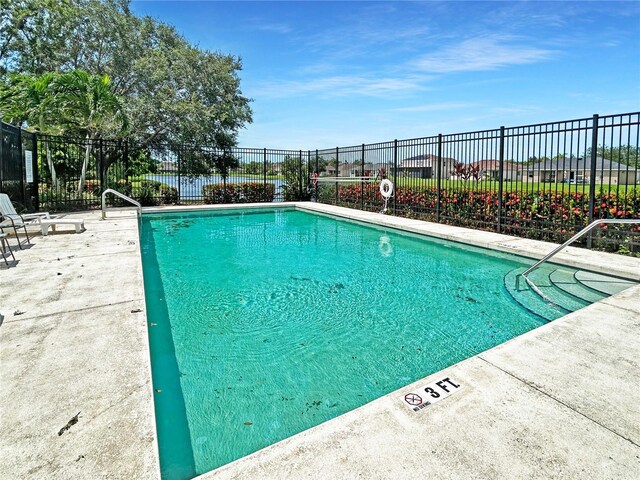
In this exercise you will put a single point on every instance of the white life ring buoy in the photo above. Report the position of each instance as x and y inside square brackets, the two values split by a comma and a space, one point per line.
[315, 179]
[386, 188]
[384, 247]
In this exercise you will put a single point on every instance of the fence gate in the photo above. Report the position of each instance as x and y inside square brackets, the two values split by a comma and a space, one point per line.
[11, 175]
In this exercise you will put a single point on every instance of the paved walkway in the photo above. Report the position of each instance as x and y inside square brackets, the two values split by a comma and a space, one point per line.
[561, 401]
[73, 340]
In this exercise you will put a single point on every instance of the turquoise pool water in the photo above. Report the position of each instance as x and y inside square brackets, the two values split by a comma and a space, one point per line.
[265, 323]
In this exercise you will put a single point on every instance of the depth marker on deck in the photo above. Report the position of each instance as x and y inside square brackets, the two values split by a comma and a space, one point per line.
[430, 394]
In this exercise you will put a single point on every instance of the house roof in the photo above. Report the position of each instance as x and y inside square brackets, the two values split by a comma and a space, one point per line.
[579, 164]
[168, 166]
[422, 161]
[490, 164]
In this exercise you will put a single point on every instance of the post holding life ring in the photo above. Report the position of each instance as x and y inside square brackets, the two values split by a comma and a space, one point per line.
[386, 189]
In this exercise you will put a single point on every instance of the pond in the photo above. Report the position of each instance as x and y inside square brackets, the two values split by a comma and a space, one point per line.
[190, 188]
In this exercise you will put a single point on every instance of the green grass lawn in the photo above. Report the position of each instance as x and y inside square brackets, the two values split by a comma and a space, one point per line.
[484, 185]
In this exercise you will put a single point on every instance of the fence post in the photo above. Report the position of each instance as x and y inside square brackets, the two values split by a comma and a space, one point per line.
[500, 179]
[125, 158]
[593, 173]
[309, 174]
[36, 173]
[101, 171]
[337, 171]
[301, 184]
[1, 157]
[439, 179]
[317, 168]
[362, 181]
[23, 188]
[264, 174]
[395, 176]
[179, 171]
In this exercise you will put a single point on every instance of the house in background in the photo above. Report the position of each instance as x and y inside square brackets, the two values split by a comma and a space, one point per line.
[274, 168]
[355, 169]
[167, 166]
[490, 170]
[578, 170]
[425, 166]
[329, 171]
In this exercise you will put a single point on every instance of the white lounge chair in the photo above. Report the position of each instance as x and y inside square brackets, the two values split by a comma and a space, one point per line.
[5, 247]
[12, 219]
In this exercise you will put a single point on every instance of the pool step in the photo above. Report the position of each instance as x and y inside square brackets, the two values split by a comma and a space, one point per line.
[566, 290]
[567, 282]
[529, 299]
[601, 283]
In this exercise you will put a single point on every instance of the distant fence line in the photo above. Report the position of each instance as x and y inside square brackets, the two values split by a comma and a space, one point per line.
[538, 181]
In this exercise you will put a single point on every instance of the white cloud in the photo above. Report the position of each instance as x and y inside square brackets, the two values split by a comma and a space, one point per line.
[487, 52]
[344, 85]
[272, 27]
[434, 107]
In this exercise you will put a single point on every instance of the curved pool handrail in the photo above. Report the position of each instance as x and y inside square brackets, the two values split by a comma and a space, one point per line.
[122, 196]
[556, 250]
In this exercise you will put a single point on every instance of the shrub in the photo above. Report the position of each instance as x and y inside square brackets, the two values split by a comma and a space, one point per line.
[238, 192]
[539, 215]
[169, 194]
[151, 193]
[65, 200]
[147, 196]
[92, 186]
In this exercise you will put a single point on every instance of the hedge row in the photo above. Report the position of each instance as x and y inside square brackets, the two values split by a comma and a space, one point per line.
[151, 193]
[540, 215]
[238, 192]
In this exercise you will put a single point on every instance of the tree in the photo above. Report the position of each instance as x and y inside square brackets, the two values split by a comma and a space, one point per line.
[223, 162]
[172, 91]
[466, 172]
[319, 164]
[253, 168]
[560, 157]
[27, 100]
[89, 108]
[624, 154]
[533, 160]
[296, 184]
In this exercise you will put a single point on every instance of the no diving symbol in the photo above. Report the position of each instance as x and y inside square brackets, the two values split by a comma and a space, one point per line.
[413, 399]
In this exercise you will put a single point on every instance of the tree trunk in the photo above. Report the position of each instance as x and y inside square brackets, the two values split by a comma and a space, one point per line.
[224, 188]
[85, 164]
[52, 168]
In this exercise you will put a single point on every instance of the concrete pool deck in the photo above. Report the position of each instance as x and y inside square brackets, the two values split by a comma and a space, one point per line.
[561, 401]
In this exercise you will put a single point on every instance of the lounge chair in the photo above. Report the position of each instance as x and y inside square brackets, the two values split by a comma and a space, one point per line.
[12, 219]
[4, 246]
[43, 219]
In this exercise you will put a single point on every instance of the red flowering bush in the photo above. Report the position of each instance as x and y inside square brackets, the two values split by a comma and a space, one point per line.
[539, 215]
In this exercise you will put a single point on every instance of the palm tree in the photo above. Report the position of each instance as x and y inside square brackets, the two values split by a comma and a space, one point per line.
[89, 107]
[28, 99]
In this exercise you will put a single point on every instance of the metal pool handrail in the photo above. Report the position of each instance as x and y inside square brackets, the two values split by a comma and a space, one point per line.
[121, 195]
[586, 229]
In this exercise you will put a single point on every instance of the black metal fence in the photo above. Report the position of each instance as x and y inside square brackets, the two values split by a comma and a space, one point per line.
[542, 181]
[74, 172]
[17, 160]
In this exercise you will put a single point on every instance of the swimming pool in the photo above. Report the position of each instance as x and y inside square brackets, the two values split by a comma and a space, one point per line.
[264, 323]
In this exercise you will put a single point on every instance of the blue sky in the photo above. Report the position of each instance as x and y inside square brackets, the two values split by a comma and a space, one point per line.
[326, 74]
